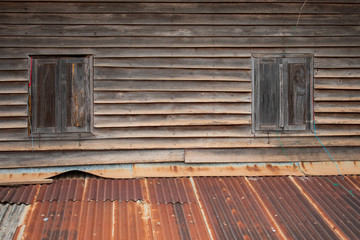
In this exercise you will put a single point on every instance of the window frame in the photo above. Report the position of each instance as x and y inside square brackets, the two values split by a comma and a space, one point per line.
[60, 129]
[282, 61]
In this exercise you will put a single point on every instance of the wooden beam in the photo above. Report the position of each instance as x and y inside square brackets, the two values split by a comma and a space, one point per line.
[71, 158]
[313, 154]
[42, 175]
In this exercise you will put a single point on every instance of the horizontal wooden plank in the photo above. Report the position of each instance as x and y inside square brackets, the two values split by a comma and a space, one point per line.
[178, 19]
[13, 75]
[102, 52]
[13, 64]
[166, 7]
[343, 62]
[169, 120]
[174, 132]
[171, 86]
[86, 42]
[175, 31]
[54, 158]
[12, 99]
[13, 87]
[153, 62]
[337, 83]
[251, 168]
[13, 134]
[10, 122]
[13, 111]
[345, 107]
[170, 97]
[337, 95]
[206, 1]
[170, 108]
[171, 74]
[337, 118]
[337, 73]
[185, 132]
[270, 155]
[178, 143]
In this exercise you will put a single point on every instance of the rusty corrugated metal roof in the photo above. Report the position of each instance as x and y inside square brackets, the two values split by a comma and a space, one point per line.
[338, 207]
[190, 208]
[233, 209]
[170, 190]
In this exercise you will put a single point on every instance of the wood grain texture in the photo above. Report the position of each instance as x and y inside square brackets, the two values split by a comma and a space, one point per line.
[13, 111]
[270, 155]
[256, 42]
[337, 95]
[170, 86]
[171, 74]
[337, 83]
[331, 107]
[176, 143]
[13, 87]
[337, 118]
[175, 31]
[184, 63]
[59, 158]
[13, 122]
[170, 108]
[170, 97]
[13, 99]
[170, 120]
[179, 19]
[106, 7]
[332, 63]
[13, 75]
[337, 73]
[149, 52]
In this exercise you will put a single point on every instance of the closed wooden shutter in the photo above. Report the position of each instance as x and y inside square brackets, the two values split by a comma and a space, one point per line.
[76, 89]
[61, 95]
[268, 94]
[44, 101]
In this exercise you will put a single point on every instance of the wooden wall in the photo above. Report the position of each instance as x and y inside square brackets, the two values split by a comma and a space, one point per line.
[176, 76]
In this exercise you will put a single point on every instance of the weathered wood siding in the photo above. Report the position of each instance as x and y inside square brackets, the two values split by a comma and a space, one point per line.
[177, 75]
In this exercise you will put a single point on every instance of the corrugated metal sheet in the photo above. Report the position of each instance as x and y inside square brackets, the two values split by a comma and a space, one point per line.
[295, 215]
[18, 195]
[232, 209]
[186, 208]
[72, 189]
[114, 189]
[10, 218]
[331, 196]
[170, 190]
[114, 220]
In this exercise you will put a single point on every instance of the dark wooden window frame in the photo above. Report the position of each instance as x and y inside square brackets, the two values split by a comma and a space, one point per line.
[280, 61]
[60, 128]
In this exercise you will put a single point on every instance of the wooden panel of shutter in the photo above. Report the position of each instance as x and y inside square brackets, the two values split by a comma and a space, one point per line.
[76, 95]
[267, 94]
[297, 93]
[44, 96]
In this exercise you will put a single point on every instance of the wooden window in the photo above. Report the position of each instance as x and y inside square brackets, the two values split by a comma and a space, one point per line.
[282, 88]
[60, 95]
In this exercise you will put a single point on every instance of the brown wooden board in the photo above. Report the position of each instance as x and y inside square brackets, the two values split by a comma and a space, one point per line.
[337, 83]
[125, 7]
[175, 31]
[170, 97]
[86, 42]
[170, 86]
[170, 108]
[179, 19]
[214, 52]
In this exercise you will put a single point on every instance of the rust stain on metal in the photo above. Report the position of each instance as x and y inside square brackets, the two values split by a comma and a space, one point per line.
[170, 190]
[232, 210]
[337, 206]
[286, 203]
